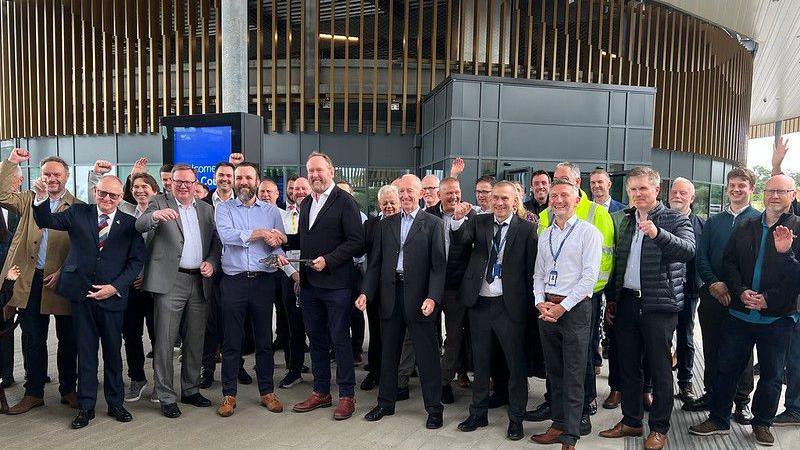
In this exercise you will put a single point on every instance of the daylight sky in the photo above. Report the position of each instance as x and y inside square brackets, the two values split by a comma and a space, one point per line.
[759, 153]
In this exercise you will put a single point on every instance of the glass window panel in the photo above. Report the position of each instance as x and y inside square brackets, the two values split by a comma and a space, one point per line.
[488, 167]
[701, 200]
[356, 176]
[716, 204]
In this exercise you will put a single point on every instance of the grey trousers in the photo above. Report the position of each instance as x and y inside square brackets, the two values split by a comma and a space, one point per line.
[407, 362]
[182, 310]
[454, 314]
[565, 343]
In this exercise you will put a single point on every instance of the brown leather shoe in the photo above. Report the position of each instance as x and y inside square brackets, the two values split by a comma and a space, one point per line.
[655, 441]
[621, 430]
[314, 401]
[70, 400]
[647, 400]
[26, 404]
[551, 436]
[345, 409]
[227, 406]
[271, 402]
[613, 399]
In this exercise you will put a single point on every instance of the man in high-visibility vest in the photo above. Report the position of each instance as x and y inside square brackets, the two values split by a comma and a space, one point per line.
[598, 216]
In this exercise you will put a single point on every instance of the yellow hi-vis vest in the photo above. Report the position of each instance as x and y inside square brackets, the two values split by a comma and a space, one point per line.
[599, 216]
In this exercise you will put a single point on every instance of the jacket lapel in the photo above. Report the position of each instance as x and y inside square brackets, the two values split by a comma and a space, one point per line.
[328, 202]
[394, 227]
[174, 205]
[93, 224]
[415, 226]
[489, 232]
[510, 235]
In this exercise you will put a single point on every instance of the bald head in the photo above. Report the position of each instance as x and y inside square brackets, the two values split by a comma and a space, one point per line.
[108, 193]
[410, 188]
[778, 194]
[301, 189]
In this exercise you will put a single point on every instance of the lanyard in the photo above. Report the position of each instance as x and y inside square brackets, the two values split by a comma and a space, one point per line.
[556, 254]
[496, 247]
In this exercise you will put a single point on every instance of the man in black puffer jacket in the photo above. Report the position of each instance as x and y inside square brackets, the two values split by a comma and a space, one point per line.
[653, 244]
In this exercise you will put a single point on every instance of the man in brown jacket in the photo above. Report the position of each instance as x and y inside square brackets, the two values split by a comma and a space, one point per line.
[39, 255]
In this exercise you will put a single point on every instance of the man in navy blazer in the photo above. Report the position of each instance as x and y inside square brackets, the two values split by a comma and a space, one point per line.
[106, 254]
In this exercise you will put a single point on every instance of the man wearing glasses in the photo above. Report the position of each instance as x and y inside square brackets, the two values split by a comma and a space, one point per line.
[184, 253]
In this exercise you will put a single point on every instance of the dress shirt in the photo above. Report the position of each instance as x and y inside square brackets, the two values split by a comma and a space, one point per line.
[633, 274]
[406, 220]
[192, 253]
[446, 218]
[607, 203]
[110, 217]
[5, 216]
[291, 219]
[495, 288]
[235, 224]
[578, 264]
[286, 217]
[317, 202]
[216, 199]
[42, 255]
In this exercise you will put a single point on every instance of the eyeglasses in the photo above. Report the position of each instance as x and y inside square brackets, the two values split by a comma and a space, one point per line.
[778, 192]
[104, 194]
[182, 182]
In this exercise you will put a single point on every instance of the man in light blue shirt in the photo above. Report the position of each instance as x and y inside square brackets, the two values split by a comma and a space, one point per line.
[250, 230]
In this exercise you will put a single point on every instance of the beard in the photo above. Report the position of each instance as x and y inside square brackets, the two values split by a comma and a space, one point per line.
[245, 193]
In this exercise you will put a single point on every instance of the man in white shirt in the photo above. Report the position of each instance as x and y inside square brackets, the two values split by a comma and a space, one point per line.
[567, 267]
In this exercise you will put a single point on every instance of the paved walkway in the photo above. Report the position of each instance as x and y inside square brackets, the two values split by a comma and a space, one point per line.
[254, 427]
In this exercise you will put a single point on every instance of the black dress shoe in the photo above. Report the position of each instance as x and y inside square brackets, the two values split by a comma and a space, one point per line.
[120, 414]
[377, 413]
[591, 408]
[196, 400]
[586, 425]
[369, 383]
[244, 377]
[82, 419]
[743, 416]
[434, 421]
[540, 414]
[497, 400]
[447, 395]
[206, 378]
[170, 410]
[514, 431]
[702, 403]
[473, 422]
[402, 394]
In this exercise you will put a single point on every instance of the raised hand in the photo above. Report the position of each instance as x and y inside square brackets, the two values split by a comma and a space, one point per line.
[140, 166]
[19, 156]
[779, 154]
[783, 239]
[457, 167]
[236, 159]
[101, 167]
[40, 188]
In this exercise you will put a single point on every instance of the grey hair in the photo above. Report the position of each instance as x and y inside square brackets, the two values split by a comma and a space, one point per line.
[643, 171]
[683, 180]
[559, 181]
[386, 190]
[574, 168]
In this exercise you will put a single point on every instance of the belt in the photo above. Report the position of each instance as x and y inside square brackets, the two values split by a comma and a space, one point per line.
[251, 274]
[553, 298]
[189, 271]
[635, 293]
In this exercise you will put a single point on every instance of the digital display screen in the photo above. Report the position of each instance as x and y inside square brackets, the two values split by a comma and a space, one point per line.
[203, 148]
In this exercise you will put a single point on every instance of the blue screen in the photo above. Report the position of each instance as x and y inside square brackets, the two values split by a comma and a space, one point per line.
[203, 148]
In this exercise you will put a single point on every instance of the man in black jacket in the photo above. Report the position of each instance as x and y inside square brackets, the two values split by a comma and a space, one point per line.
[455, 351]
[761, 272]
[330, 234]
[652, 245]
[497, 290]
[407, 263]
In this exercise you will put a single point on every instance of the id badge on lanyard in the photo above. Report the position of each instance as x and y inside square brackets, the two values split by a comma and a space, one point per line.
[552, 277]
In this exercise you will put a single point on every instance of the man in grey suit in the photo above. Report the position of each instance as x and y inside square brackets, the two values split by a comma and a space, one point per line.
[184, 253]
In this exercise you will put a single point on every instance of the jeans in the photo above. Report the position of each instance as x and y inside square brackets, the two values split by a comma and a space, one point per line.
[793, 374]
[685, 342]
[772, 342]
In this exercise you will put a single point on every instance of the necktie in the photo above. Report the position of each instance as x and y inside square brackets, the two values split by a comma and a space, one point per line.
[495, 250]
[3, 227]
[292, 212]
[102, 231]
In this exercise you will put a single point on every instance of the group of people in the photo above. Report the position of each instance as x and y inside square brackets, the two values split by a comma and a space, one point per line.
[505, 289]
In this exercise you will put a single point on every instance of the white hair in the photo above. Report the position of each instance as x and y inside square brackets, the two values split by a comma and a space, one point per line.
[386, 190]
[683, 180]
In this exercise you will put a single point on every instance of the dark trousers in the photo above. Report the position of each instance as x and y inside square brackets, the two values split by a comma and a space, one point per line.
[614, 376]
[294, 352]
[486, 316]
[96, 327]
[375, 341]
[215, 330]
[712, 316]
[792, 398]
[281, 320]
[243, 295]
[649, 333]
[455, 356]
[6, 350]
[736, 348]
[138, 315]
[357, 323]
[35, 327]
[564, 343]
[597, 331]
[685, 341]
[426, 349]
[326, 314]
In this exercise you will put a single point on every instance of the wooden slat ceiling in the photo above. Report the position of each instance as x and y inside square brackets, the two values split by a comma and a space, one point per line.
[775, 26]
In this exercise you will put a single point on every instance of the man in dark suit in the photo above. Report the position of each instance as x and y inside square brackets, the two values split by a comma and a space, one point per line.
[497, 290]
[106, 254]
[407, 262]
[8, 226]
[330, 235]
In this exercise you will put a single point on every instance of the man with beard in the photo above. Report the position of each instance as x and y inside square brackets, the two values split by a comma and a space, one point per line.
[540, 187]
[330, 234]
[407, 264]
[250, 230]
[184, 254]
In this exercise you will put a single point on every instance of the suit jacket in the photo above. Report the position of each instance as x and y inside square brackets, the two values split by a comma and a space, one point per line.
[165, 244]
[519, 259]
[24, 246]
[533, 206]
[457, 255]
[423, 265]
[615, 206]
[118, 263]
[337, 235]
[7, 230]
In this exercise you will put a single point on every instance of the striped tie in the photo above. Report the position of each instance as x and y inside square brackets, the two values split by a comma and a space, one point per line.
[102, 231]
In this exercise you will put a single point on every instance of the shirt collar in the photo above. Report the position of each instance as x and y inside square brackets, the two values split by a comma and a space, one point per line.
[324, 194]
[260, 203]
[110, 216]
[413, 213]
[569, 223]
[607, 203]
[507, 221]
[180, 205]
[215, 198]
